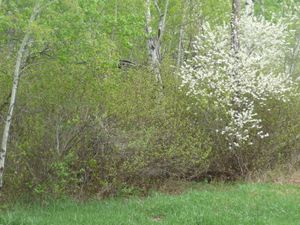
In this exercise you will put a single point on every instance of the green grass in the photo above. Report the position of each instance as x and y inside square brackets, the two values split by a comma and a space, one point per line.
[245, 204]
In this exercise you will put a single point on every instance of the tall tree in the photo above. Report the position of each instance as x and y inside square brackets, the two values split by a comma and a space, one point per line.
[242, 78]
[155, 39]
[20, 60]
[181, 36]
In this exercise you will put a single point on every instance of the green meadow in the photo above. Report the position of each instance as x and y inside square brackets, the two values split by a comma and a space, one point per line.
[244, 204]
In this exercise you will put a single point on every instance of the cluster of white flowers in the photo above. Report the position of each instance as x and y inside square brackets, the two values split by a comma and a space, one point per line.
[240, 82]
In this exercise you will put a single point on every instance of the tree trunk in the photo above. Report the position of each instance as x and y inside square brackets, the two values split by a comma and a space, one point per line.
[20, 59]
[181, 37]
[235, 19]
[236, 106]
[154, 41]
[249, 7]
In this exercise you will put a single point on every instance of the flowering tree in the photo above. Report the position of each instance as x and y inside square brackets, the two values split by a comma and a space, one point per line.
[240, 81]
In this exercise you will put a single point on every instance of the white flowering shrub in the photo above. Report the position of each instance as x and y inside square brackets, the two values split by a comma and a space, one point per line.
[242, 82]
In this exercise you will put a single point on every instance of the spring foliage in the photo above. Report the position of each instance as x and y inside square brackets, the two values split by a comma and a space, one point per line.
[83, 126]
[240, 82]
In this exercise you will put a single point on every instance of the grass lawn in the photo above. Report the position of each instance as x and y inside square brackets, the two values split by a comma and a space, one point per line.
[245, 204]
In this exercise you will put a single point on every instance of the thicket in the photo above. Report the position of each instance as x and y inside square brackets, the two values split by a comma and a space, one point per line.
[84, 126]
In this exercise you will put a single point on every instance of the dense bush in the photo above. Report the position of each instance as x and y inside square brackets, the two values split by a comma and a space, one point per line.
[122, 132]
[82, 126]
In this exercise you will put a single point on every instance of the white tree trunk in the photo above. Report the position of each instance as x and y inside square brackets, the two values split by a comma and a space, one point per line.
[236, 11]
[20, 59]
[249, 7]
[154, 40]
[181, 37]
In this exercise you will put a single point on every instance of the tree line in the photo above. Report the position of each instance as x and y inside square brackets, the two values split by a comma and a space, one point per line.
[106, 96]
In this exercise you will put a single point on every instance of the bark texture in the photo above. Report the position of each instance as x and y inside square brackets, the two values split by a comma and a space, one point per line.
[154, 40]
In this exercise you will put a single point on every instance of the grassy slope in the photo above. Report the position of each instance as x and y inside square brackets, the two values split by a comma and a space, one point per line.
[210, 205]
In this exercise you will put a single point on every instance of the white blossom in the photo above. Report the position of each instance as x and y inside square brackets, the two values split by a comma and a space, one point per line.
[244, 81]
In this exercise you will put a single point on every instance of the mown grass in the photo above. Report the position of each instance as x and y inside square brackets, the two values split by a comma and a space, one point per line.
[245, 204]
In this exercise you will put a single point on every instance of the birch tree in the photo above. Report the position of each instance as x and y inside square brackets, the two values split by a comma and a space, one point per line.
[154, 39]
[20, 60]
[181, 36]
